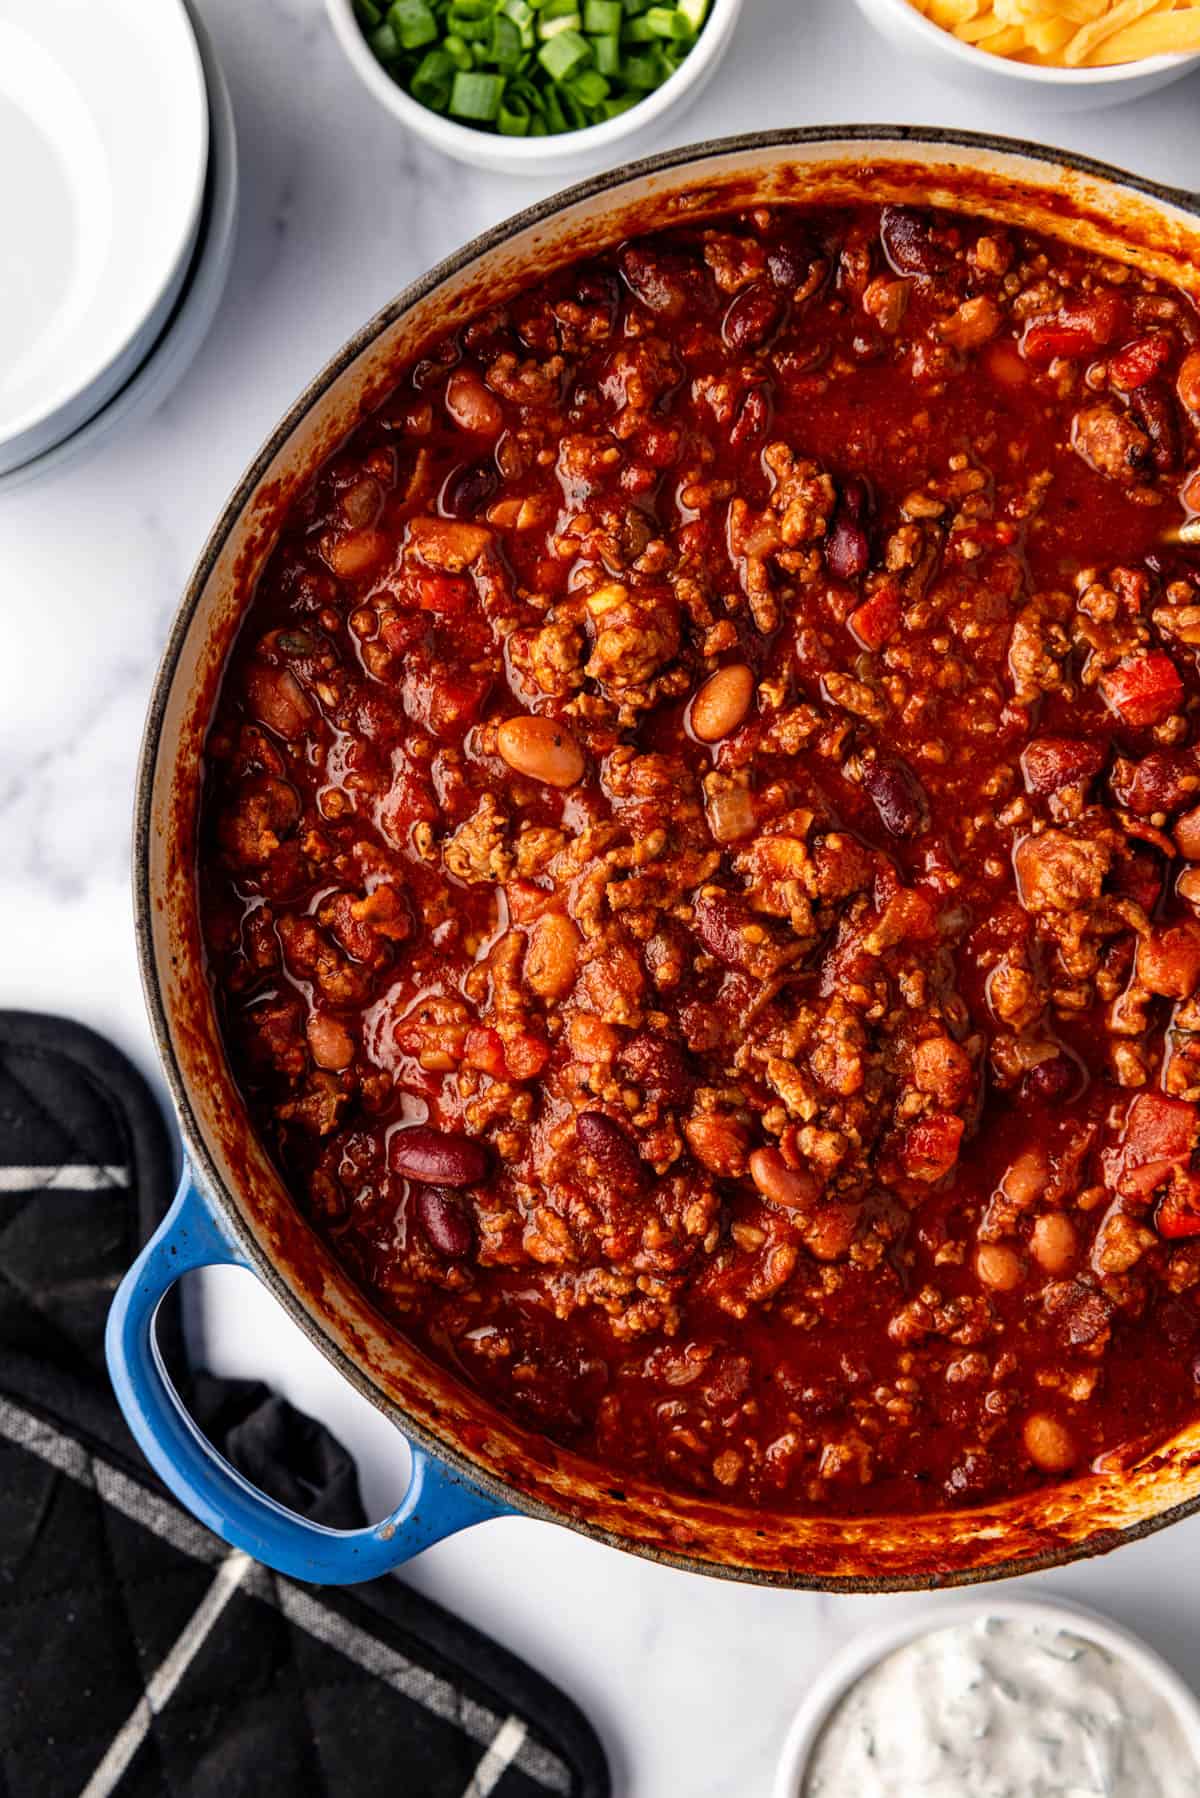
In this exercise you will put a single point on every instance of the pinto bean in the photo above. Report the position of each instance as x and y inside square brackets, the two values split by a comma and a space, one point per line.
[1025, 1179]
[444, 1222]
[722, 702]
[609, 1147]
[331, 1043]
[472, 406]
[277, 699]
[795, 1188]
[1054, 1242]
[1049, 1443]
[437, 1157]
[541, 749]
[998, 1266]
[552, 957]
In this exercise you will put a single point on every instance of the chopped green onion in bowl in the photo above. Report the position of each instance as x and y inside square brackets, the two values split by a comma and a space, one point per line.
[530, 68]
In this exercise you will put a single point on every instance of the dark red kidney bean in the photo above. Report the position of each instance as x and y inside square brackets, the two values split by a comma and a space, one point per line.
[467, 490]
[594, 287]
[790, 264]
[909, 243]
[431, 369]
[1049, 763]
[437, 1157]
[750, 425]
[1153, 407]
[609, 1147]
[752, 317]
[662, 280]
[854, 498]
[1053, 1081]
[657, 1064]
[847, 552]
[897, 796]
[1163, 781]
[444, 1222]
[720, 921]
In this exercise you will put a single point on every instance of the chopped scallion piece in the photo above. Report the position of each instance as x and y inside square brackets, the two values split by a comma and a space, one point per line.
[606, 52]
[668, 22]
[476, 96]
[432, 80]
[514, 117]
[602, 18]
[385, 43]
[588, 87]
[459, 51]
[414, 23]
[561, 55]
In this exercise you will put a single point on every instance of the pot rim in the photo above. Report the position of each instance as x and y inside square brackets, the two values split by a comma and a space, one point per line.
[209, 1178]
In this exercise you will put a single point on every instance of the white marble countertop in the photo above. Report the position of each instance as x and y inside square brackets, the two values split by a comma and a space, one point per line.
[691, 1682]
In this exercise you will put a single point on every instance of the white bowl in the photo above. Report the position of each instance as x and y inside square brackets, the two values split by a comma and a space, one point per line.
[568, 153]
[1064, 89]
[868, 1649]
[189, 322]
[103, 111]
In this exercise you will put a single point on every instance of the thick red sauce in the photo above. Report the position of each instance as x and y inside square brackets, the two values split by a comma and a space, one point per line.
[697, 858]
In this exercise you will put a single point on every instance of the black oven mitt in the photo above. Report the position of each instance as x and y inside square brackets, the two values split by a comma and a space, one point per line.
[139, 1655]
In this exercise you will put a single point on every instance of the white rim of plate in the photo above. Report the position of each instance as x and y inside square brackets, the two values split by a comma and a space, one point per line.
[136, 209]
[865, 1651]
[188, 325]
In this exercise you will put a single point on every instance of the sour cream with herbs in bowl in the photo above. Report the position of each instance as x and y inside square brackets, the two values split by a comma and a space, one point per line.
[1006, 1700]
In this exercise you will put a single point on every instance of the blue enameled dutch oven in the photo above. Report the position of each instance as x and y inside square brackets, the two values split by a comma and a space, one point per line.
[470, 1463]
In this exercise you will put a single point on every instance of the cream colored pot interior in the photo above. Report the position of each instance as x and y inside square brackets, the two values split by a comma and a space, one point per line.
[1088, 1514]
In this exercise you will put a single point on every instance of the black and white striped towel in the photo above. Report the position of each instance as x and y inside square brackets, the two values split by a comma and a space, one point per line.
[139, 1656]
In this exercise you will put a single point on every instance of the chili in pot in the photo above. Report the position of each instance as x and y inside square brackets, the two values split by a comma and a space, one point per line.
[698, 856]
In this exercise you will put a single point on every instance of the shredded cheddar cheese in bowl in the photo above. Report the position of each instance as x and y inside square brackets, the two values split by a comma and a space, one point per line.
[1070, 34]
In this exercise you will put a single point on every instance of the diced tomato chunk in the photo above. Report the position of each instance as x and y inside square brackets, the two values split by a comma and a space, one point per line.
[1179, 1212]
[1143, 689]
[1081, 329]
[1159, 1137]
[1053, 762]
[878, 618]
[1168, 960]
[1162, 1129]
[929, 1150]
[445, 594]
[1140, 361]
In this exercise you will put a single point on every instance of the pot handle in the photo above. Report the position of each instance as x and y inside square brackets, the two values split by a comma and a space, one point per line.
[437, 1503]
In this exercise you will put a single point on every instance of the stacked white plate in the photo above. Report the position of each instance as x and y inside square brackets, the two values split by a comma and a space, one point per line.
[117, 215]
